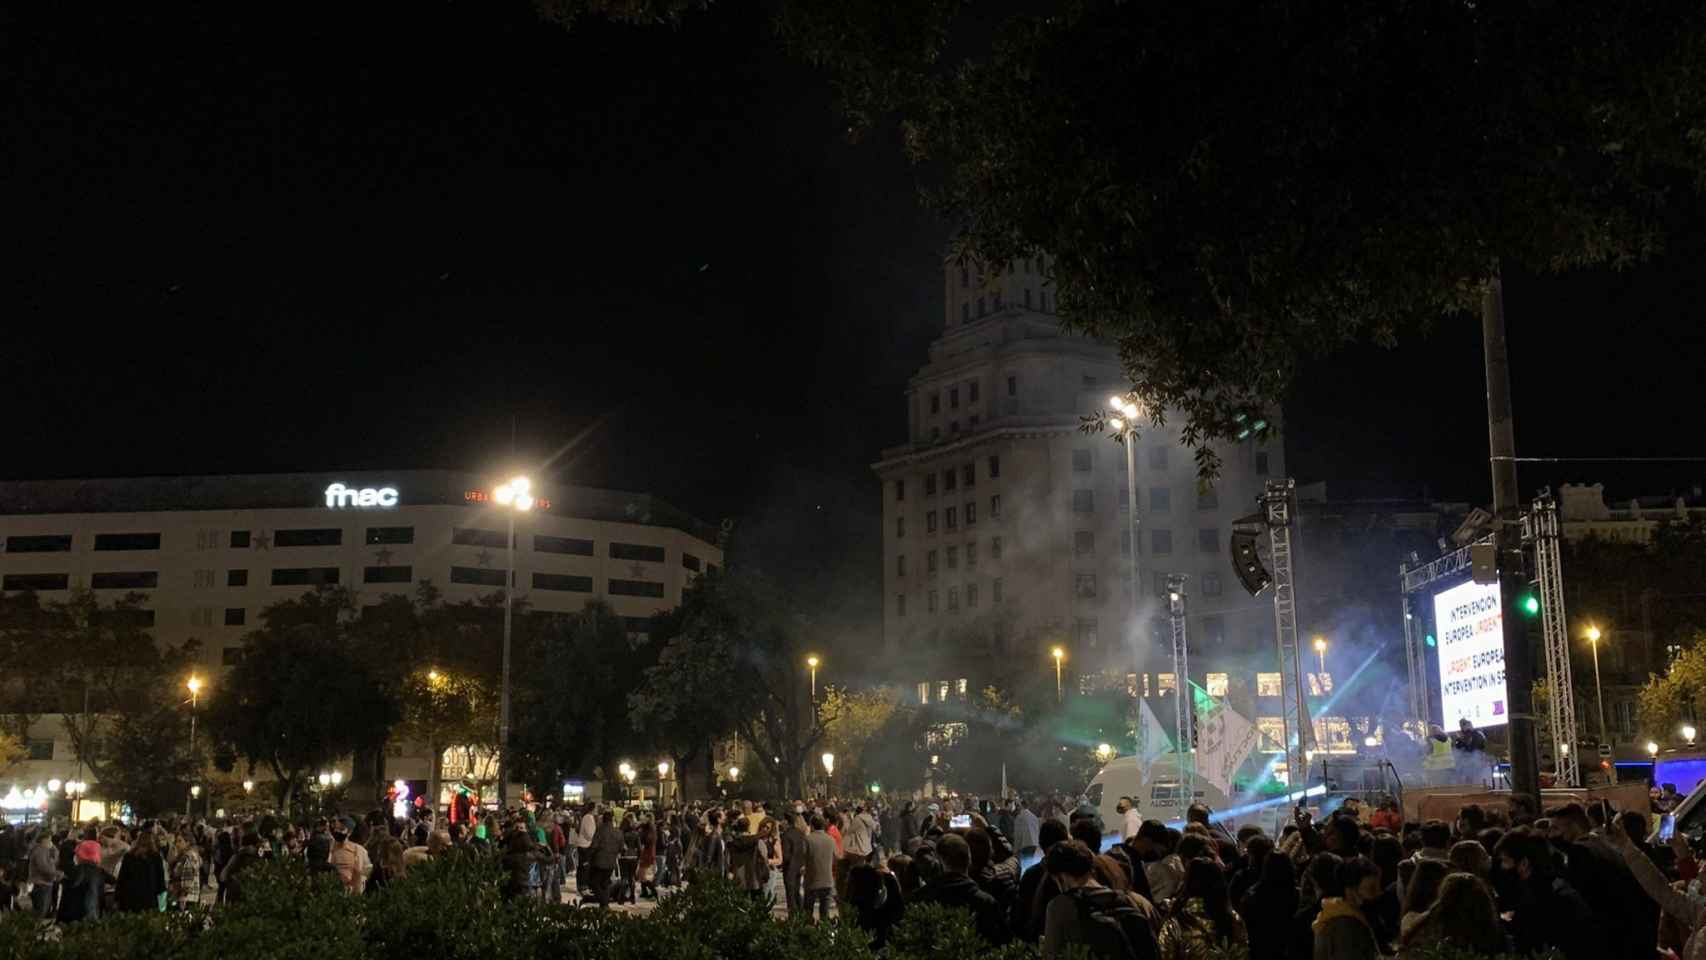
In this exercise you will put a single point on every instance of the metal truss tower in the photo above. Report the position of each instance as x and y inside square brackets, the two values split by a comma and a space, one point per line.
[1279, 503]
[1540, 531]
[1184, 700]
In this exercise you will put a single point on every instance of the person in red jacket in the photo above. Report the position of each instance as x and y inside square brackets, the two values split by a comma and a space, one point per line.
[1387, 817]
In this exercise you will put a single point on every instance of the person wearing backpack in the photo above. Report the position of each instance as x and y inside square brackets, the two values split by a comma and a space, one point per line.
[1105, 922]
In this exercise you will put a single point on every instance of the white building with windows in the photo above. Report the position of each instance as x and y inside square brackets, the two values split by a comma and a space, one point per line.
[1005, 527]
[209, 553]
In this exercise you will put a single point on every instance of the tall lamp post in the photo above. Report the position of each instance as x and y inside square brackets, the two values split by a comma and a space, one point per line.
[515, 495]
[829, 772]
[1321, 651]
[1598, 693]
[1124, 422]
[1059, 654]
[194, 685]
[812, 662]
[663, 771]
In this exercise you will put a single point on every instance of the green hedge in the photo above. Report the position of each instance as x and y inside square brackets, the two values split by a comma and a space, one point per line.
[452, 911]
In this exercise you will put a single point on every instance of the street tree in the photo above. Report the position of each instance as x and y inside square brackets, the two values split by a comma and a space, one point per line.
[298, 699]
[1669, 701]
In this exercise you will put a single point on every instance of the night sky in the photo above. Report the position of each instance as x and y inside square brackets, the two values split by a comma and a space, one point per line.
[296, 241]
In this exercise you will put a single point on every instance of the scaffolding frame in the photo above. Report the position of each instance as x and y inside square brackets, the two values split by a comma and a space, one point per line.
[1184, 700]
[1278, 505]
[1540, 532]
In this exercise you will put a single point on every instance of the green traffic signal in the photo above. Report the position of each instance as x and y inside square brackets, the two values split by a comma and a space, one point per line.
[1429, 639]
[1530, 604]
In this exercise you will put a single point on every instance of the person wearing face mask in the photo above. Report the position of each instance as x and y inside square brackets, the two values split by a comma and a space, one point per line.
[1546, 910]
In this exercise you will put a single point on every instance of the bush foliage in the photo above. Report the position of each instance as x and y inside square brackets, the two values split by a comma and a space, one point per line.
[453, 911]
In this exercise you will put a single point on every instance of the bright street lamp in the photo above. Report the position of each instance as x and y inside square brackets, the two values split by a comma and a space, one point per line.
[517, 496]
[194, 685]
[1321, 651]
[337, 778]
[1058, 654]
[829, 764]
[734, 772]
[1688, 733]
[325, 780]
[812, 661]
[1652, 748]
[1103, 752]
[195, 790]
[248, 786]
[1598, 692]
[1125, 423]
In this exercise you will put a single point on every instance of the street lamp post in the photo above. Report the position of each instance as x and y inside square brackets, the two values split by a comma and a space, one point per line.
[828, 771]
[812, 661]
[1598, 692]
[516, 496]
[194, 684]
[1321, 651]
[1125, 421]
[663, 771]
[1058, 654]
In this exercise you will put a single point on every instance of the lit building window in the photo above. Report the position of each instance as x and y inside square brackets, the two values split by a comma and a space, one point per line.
[1333, 734]
[942, 692]
[1267, 684]
[960, 686]
[1217, 684]
[1272, 730]
[923, 691]
[1320, 684]
[1131, 684]
[1166, 683]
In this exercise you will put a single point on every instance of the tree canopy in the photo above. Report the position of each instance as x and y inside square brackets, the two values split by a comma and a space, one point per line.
[1224, 188]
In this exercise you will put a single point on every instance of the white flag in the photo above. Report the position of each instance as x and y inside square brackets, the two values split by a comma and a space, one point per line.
[1152, 740]
[1224, 743]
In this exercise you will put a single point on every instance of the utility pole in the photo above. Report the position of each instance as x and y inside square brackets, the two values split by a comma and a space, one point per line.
[1507, 541]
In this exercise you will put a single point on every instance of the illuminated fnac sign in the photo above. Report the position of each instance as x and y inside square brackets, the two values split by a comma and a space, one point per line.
[338, 495]
[485, 496]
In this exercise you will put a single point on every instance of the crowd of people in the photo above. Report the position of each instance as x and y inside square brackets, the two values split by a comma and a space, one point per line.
[1359, 884]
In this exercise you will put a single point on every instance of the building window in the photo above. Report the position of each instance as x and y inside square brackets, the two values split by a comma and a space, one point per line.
[930, 601]
[36, 581]
[971, 596]
[900, 604]
[1211, 584]
[1084, 632]
[236, 616]
[965, 277]
[1319, 684]
[1160, 500]
[900, 565]
[923, 691]
[470, 537]
[1166, 683]
[641, 552]
[239, 539]
[1262, 463]
[971, 422]
[995, 590]
[1623, 714]
[1272, 730]
[929, 561]
[965, 313]
[130, 580]
[971, 554]
[953, 398]
[203, 578]
[1027, 298]
[1214, 630]
[230, 656]
[1125, 543]
[44, 543]
[953, 599]
[951, 517]
[320, 537]
[980, 307]
[968, 473]
[305, 576]
[1208, 540]
[571, 546]
[690, 562]
[127, 541]
[994, 467]
[930, 484]
[390, 574]
[1267, 684]
[995, 547]
[636, 588]
[478, 576]
[378, 535]
[1160, 585]
[900, 490]
[900, 528]
[942, 688]
[953, 558]
[1157, 458]
[1012, 386]
[1083, 543]
[950, 479]
[1160, 542]
[971, 512]
[1086, 380]
[568, 583]
[996, 296]
[1084, 586]
[935, 403]
[1081, 461]
[40, 749]
[1083, 501]
[1123, 498]
[1215, 684]
[971, 391]
[236, 578]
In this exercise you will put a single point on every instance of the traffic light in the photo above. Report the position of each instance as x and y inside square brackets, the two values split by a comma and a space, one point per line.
[1246, 562]
[1429, 640]
[1529, 603]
